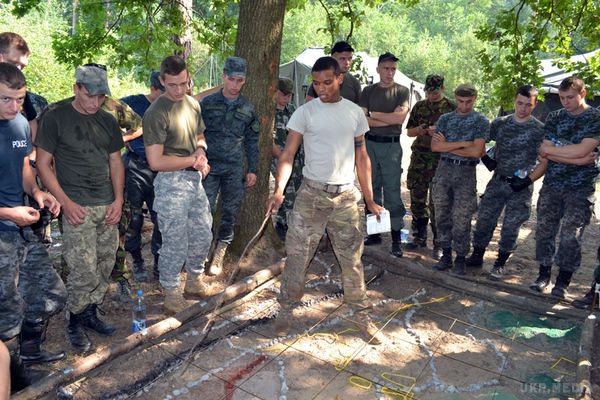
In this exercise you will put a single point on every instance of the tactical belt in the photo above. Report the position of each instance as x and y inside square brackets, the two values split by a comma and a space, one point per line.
[382, 139]
[503, 178]
[326, 187]
[470, 163]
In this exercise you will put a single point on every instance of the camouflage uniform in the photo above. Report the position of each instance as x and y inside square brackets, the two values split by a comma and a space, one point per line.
[516, 148]
[128, 121]
[423, 163]
[455, 182]
[231, 133]
[566, 199]
[293, 185]
[181, 198]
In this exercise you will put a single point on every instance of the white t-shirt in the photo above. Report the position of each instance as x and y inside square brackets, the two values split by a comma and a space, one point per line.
[328, 131]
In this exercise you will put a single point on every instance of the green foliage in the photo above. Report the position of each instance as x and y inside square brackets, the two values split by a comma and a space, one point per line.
[529, 29]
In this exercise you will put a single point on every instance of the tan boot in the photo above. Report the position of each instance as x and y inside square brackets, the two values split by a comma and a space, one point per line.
[283, 323]
[196, 286]
[216, 265]
[370, 332]
[174, 300]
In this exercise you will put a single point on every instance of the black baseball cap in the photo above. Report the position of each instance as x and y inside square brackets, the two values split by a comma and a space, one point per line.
[341, 46]
[387, 56]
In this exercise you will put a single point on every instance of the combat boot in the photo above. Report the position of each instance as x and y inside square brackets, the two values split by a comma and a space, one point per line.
[372, 240]
[196, 286]
[216, 265]
[20, 376]
[174, 300]
[445, 262]
[436, 252]
[497, 272]
[123, 293]
[77, 335]
[282, 325]
[587, 300]
[30, 340]
[460, 265]
[543, 279]
[419, 228]
[90, 320]
[476, 258]
[139, 267]
[562, 283]
[396, 244]
[370, 332]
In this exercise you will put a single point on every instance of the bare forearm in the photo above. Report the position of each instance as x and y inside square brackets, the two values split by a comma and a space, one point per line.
[284, 171]
[130, 135]
[393, 118]
[539, 170]
[49, 180]
[446, 147]
[363, 171]
[117, 177]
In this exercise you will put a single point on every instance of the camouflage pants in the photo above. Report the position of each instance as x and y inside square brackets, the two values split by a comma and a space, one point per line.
[185, 222]
[89, 251]
[570, 211]
[30, 288]
[121, 270]
[386, 167]
[455, 200]
[229, 186]
[139, 186]
[421, 171]
[517, 207]
[314, 212]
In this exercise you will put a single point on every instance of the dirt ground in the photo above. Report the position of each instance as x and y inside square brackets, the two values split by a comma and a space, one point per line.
[482, 374]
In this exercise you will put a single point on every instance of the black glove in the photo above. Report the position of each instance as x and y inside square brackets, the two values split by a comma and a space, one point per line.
[517, 184]
[489, 162]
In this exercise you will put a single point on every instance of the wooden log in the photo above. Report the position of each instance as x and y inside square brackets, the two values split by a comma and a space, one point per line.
[124, 345]
[584, 359]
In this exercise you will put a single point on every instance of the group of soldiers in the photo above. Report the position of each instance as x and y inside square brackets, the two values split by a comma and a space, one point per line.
[188, 152]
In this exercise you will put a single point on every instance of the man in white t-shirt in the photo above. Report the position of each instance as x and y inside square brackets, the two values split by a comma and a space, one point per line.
[332, 130]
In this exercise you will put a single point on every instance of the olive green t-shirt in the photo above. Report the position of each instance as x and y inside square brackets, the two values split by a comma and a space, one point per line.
[175, 125]
[376, 98]
[81, 145]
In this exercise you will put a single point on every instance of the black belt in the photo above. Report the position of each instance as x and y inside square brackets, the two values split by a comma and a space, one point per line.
[328, 188]
[470, 163]
[503, 178]
[382, 139]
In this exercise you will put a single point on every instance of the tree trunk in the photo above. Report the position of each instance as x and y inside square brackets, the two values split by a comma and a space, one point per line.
[74, 16]
[185, 38]
[260, 29]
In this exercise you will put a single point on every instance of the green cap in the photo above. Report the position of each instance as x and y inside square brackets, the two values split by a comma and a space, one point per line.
[465, 90]
[93, 78]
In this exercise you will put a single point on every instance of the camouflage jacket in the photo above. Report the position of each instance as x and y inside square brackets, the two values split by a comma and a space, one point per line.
[425, 112]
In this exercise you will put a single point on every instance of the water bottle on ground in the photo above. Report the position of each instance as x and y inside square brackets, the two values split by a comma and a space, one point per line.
[521, 173]
[139, 313]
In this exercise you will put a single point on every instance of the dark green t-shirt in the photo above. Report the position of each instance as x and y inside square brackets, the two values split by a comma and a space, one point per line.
[175, 125]
[81, 145]
[376, 98]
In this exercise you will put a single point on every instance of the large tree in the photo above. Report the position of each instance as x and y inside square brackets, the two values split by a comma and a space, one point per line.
[260, 29]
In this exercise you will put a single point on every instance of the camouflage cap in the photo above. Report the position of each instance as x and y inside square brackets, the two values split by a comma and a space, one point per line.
[387, 56]
[433, 83]
[465, 90]
[155, 81]
[285, 86]
[235, 66]
[93, 78]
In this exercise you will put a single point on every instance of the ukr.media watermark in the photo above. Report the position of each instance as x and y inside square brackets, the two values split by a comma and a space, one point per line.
[554, 388]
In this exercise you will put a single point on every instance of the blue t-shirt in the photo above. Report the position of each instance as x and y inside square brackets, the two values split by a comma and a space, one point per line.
[461, 128]
[138, 103]
[14, 146]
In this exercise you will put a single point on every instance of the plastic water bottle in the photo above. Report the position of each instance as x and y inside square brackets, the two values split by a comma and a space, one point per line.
[139, 313]
[559, 143]
[521, 173]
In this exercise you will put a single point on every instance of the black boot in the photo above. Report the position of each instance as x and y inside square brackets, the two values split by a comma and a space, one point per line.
[139, 267]
[497, 271]
[562, 283]
[372, 240]
[445, 262]
[91, 321]
[586, 301]
[476, 258]
[460, 265]
[419, 228]
[436, 252]
[31, 338]
[396, 244]
[543, 279]
[20, 377]
[155, 271]
[76, 333]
